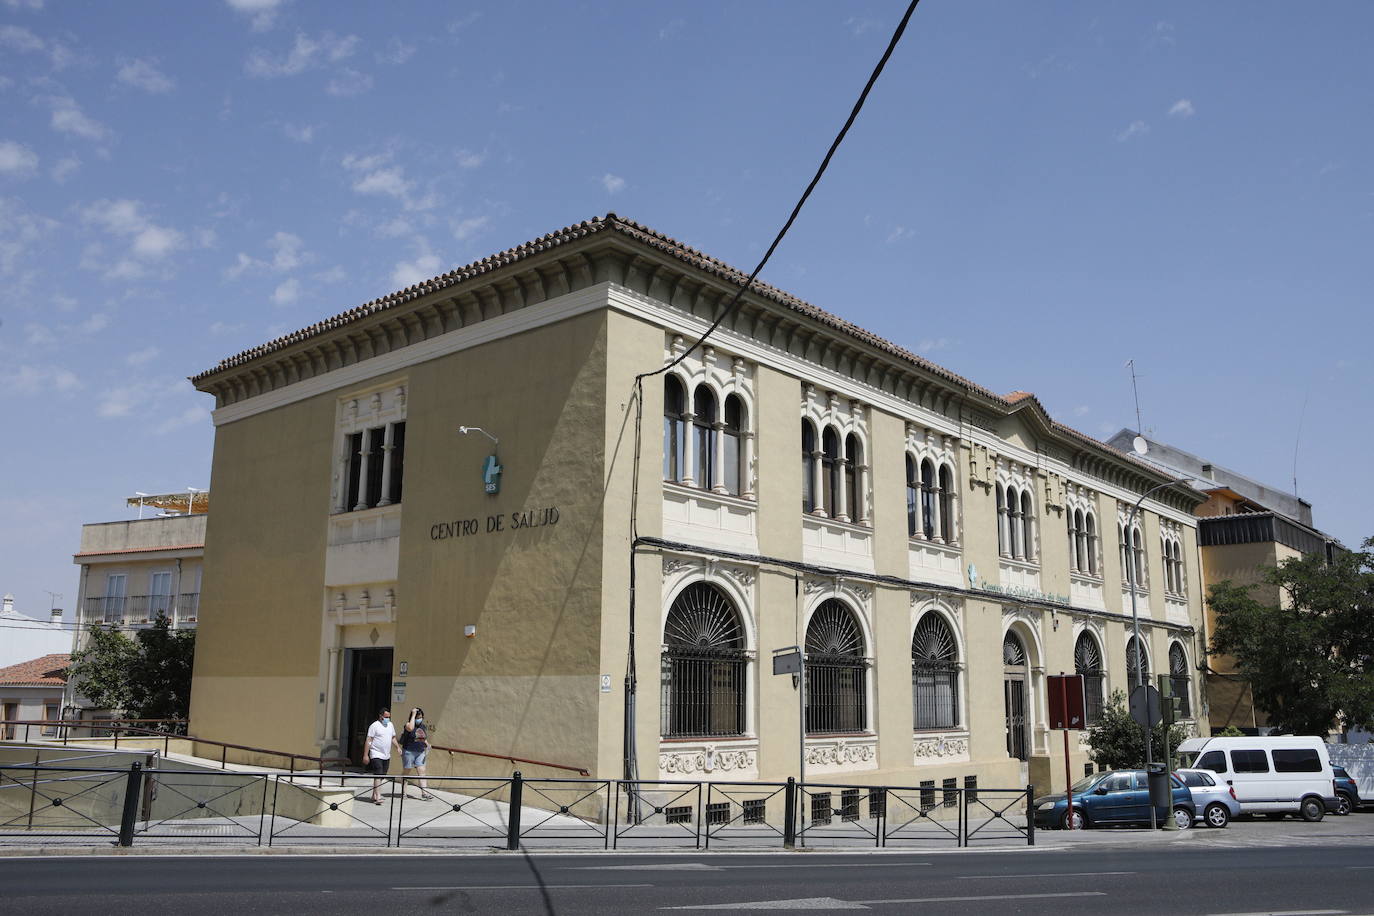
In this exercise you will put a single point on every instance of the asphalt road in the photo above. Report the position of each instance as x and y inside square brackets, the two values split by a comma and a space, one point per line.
[1175, 880]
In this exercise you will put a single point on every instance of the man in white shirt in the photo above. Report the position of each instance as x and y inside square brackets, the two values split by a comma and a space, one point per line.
[381, 736]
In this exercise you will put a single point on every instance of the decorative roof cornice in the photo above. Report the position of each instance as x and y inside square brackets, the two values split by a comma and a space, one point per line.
[617, 250]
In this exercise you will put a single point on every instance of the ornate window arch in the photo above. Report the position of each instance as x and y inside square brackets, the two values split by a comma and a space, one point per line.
[1137, 659]
[732, 431]
[831, 473]
[674, 429]
[836, 671]
[811, 455]
[1179, 678]
[946, 503]
[1087, 661]
[704, 666]
[934, 673]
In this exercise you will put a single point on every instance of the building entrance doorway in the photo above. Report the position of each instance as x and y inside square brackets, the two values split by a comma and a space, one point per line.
[1014, 695]
[367, 688]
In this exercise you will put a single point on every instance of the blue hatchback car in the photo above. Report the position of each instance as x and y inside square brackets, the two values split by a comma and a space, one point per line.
[1117, 797]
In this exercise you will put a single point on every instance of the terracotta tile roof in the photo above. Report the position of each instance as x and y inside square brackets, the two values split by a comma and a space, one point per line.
[44, 671]
[110, 553]
[657, 240]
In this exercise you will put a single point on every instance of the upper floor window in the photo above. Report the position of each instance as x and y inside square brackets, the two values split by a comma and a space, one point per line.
[1082, 542]
[1015, 522]
[834, 460]
[1171, 552]
[372, 451]
[1132, 543]
[703, 446]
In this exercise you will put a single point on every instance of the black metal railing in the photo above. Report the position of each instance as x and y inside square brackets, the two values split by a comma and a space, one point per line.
[935, 695]
[121, 610]
[703, 693]
[836, 695]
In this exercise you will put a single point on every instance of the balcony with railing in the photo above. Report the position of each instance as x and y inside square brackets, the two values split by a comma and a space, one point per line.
[143, 610]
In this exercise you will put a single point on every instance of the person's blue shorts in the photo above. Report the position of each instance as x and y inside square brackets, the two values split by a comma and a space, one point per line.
[412, 757]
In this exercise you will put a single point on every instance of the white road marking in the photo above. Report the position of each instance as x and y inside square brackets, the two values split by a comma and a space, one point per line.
[802, 903]
[702, 866]
[1057, 874]
[988, 897]
[1287, 913]
[511, 887]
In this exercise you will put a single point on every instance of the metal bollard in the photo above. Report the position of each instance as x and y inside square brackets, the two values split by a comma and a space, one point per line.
[517, 792]
[1030, 815]
[789, 816]
[130, 815]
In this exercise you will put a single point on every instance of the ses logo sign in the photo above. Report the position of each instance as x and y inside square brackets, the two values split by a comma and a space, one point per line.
[491, 475]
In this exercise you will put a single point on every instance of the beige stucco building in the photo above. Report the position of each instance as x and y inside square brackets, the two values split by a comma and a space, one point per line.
[936, 548]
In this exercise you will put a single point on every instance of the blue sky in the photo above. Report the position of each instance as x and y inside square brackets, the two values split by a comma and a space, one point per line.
[1035, 194]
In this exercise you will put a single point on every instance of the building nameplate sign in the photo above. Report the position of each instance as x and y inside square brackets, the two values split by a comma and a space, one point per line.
[493, 524]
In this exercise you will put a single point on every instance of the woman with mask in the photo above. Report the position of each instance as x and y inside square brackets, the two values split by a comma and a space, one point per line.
[415, 750]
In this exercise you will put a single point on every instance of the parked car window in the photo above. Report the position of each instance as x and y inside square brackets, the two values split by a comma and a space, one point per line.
[1196, 779]
[1214, 761]
[1119, 782]
[1297, 760]
[1249, 762]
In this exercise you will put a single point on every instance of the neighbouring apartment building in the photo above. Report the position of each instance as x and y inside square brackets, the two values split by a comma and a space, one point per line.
[1243, 527]
[935, 549]
[137, 570]
[31, 691]
[23, 637]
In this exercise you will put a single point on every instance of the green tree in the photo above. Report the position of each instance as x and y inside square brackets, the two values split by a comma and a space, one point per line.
[1117, 742]
[147, 677]
[1310, 659]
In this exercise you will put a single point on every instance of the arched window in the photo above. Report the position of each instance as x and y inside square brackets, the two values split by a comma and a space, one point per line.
[704, 424]
[704, 666]
[927, 499]
[934, 674]
[1027, 526]
[1179, 680]
[836, 671]
[853, 490]
[1003, 523]
[1090, 537]
[674, 431]
[830, 471]
[1013, 652]
[1087, 661]
[1075, 519]
[1014, 696]
[1137, 661]
[947, 504]
[1138, 555]
[731, 433]
[808, 449]
[913, 487]
[1125, 549]
[1014, 520]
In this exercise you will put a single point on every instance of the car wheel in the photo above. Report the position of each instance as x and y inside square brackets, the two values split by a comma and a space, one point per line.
[1183, 818]
[1075, 820]
[1217, 815]
[1312, 810]
[1344, 804]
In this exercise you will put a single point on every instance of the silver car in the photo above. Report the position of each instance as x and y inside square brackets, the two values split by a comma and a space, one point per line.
[1215, 804]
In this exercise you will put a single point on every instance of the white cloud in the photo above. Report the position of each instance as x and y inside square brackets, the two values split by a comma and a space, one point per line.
[931, 344]
[365, 163]
[397, 52]
[1082, 410]
[224, 327]
[20, 230]
[301, 133]
[898, 233]
[157, 242]
[261, 13]
[118, 402]
[64, 168]
[395, 228]
[335, 274]
[125, 270]
[1134, 129]
[467, 159]
[287, 255]
[1182, 109]
[424, 267]
[35, 379]
[24, 4]
[68, 118]
[18, 38]
[287, 292]
[860, 25]
[466, 228]
[389, 181]
[94, 324]
[306, 53]
[613, 184]
[139, 357]
[38, 335]
[144, 74]
[348, 82]
[673, 28]
[125, 219]
[17, 159]
[188, 417]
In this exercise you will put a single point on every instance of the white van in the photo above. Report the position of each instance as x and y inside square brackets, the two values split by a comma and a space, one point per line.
[1274, 776]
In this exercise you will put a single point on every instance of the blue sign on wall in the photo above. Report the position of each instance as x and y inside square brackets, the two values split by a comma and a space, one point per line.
[491, 475]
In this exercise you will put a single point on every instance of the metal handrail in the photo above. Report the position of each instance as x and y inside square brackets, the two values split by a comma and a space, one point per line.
[581, 771]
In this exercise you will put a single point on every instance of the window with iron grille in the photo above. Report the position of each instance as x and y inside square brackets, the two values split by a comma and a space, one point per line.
[755, 810]
[678, 814]
[927, 794]
[849, 805]
[1087, 661]
[951, 787]
[836, 671]
[1137, 663]
[934, 674]
[820, 809]
[971, 788]
[704, 666]
[1178, 678]
[877, 803]
[717, 813]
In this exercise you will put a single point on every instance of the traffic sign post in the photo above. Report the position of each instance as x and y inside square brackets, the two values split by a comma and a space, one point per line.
[1066, 712]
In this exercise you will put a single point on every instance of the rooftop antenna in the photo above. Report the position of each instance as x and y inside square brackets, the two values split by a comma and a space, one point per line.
[1140, 430]
[191, 499]
[141, 497]
[1297, 440]
[54, 596]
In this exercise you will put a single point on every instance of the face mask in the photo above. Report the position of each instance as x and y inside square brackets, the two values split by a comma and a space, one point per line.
[420, 720]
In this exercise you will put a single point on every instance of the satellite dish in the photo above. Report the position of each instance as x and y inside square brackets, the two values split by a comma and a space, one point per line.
[1140, 445]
